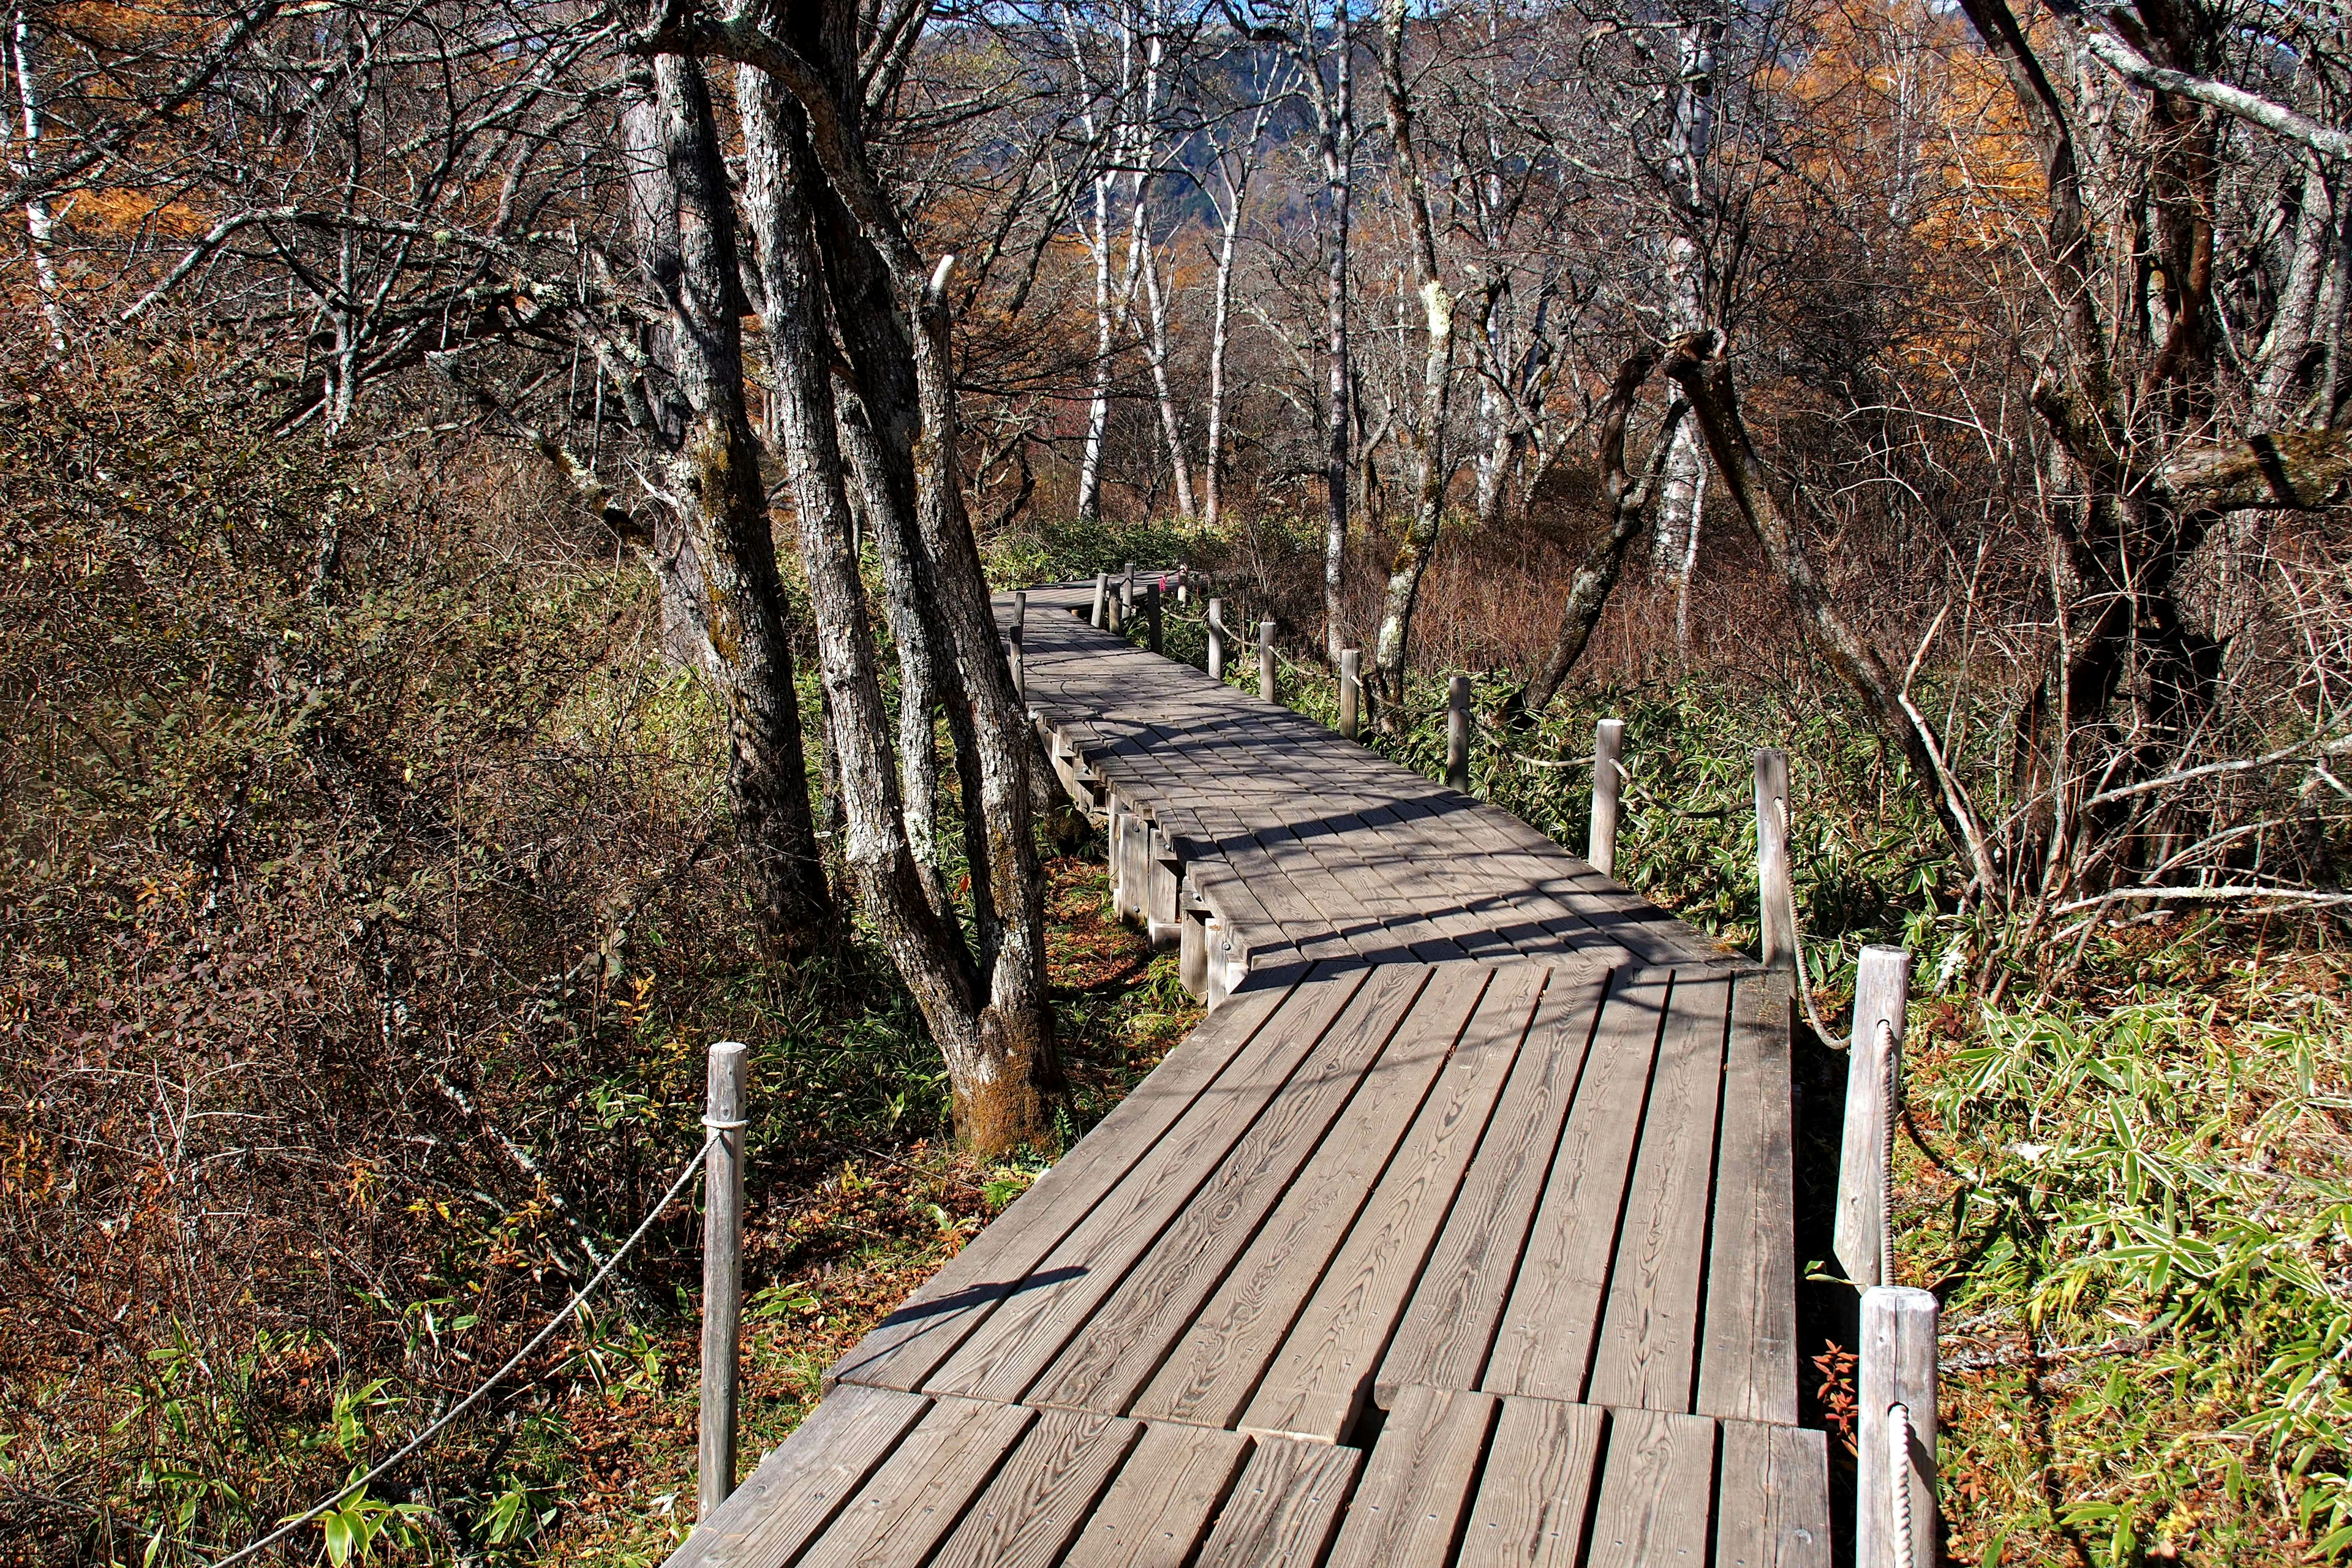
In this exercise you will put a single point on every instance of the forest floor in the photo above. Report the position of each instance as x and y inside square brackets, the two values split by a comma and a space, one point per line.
[827, 1258]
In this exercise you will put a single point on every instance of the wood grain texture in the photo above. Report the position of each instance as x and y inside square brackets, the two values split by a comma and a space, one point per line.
[921, 1333]
[1408, 1509]
[1324, 1371]
[1536, 1492]
[1282, 1512]
[809, 1477]
[1772, 1508]
[1747, 1355]
[919, 1492]
[1270, 1114]
[1033, 1507]
[1160, 1506]
[1545, 1344]
[1451, 1321]
[1648, 1351]
[1658, 1488]
[1161, 1304]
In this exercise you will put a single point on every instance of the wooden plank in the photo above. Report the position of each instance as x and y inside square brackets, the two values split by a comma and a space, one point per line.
[1320, 895]
[1155, 1513]
[1283, 1510]
[1268, 1115]
[1483, 917]
[1538, 1489]
[1296, 920]
[809, 1477]
[1449, 1327]
[921, 1490]
[1034, 1505]
[1747, 1355]
[1342, 858]
[1323, 1373]
[1648, 1353]
[1408, 1508]
[1772, 1507]
[1544, 1345]
[1123, 1345]
[1532, 877]
[1658, 1488]
[910, 1342]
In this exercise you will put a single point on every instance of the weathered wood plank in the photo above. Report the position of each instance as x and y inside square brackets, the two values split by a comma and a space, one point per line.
[1285, 1507]
[1408, 1508]
[1157, 1510]
[1449, 1327]
[809, 1477]
[1747, 1355]
[1658, 1488]
[1544, 1344]
[1648, 1353]
[1253, 1128]
[920, 1490]
[1321, 1376]
[1160, 1303]
[1538, 1489]
[910, 1342]
[1035, 1504]
[1772, 1506]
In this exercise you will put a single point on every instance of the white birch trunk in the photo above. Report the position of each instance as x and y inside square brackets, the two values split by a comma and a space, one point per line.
[40, 224]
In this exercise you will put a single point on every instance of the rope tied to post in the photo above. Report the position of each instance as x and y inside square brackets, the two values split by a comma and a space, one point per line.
[1898, 1473]
[546, 1332]
[1885, 1043]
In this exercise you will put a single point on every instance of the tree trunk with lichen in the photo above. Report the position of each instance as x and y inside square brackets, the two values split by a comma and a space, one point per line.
[722, 561]
[823, 210]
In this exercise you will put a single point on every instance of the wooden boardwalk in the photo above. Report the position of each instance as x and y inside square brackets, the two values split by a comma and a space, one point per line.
[1459, 1233]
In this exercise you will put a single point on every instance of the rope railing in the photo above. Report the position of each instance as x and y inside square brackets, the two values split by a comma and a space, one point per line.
[1895, 1444]
[449, 1418]
[1898, 1481]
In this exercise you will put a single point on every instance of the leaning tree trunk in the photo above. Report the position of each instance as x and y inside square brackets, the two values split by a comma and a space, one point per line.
[920, 939]
[1000, 1051]
[1596, 576]
[712, 484]
[1433, 470]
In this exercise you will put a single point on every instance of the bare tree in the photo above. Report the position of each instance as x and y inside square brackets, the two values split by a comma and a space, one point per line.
[1434, 467]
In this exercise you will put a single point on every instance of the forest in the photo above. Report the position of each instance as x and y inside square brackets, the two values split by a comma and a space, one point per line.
[500, 501]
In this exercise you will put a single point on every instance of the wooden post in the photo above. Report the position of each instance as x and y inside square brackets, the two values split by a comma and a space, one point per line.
[1163, 891]
[1777, 915]
[1217, 980]
[1152, 612]
[1457, 733]
[1608, 782]
[1020, 668]
[1216, 639]
[1102, 592]
[1351, 662]
[1881, 984]
[1192, 941]
[1183, 584]
[722, 1277]
[1127, 590]
[1265, 661]
[1897, 1381]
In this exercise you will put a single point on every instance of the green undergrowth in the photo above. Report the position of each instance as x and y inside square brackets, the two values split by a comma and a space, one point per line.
[2130, 1193]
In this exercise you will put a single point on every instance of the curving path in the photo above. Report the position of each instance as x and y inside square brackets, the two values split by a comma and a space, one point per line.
[1459, 1233]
